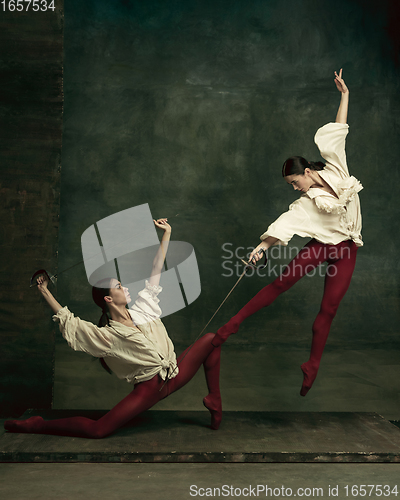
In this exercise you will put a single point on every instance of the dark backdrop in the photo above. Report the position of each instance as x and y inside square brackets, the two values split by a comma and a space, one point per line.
[192, 107]
[31, 64]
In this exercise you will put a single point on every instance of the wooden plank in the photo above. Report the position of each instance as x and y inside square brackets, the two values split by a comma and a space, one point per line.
[185, 436]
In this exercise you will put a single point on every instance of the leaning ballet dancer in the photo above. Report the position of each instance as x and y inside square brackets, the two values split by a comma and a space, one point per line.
[134, 344]
[328, 211]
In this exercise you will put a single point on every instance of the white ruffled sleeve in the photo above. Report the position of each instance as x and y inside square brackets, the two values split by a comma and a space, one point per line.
[331, 142]
[82, 335]
[146, 305]
[295, 221]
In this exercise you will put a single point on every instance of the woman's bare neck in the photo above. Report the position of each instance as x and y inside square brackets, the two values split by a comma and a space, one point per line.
[121, 315]
[322, 184]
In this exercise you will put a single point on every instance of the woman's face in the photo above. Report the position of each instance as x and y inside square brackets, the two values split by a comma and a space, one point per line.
[300, 182]
[119, 294]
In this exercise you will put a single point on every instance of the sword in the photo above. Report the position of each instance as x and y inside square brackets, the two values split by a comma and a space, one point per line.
[248, 265]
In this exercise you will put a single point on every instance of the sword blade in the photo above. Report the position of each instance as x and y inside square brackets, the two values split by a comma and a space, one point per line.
[209, 321]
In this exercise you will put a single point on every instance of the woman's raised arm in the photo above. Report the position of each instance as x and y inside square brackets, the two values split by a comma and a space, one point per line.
[42, 287]
[162, 251]
[341, 116]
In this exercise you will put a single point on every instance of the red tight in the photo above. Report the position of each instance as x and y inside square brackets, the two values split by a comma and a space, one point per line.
[144, 396]
[341, 260]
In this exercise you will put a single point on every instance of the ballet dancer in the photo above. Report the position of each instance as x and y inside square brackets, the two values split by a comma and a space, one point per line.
[132, 343]
[328, 212]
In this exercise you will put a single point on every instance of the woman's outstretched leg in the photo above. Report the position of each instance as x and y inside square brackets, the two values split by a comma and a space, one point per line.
[213, 401]
[202, 352]
[144, 396]
[337, 280]
[309, 257]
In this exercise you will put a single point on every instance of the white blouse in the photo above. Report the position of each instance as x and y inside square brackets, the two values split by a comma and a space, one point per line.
[317, 213]
[135, 353]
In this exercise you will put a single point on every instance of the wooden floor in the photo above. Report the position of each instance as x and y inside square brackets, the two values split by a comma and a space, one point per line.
[185, 437]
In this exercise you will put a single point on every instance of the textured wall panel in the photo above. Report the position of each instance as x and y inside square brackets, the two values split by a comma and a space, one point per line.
[31, 107]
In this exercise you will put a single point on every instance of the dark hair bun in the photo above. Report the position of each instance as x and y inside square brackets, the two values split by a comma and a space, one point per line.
[295, 165]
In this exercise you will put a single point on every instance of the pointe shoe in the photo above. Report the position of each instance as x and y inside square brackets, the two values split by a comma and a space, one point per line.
[309, 376]
[31, 425]
[214, 406]
[224, 333]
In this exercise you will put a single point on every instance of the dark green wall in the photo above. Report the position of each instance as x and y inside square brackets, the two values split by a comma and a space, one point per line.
[31, 60]
[193, 106]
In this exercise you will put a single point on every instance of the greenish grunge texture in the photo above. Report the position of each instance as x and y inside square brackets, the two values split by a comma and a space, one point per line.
[192, 107]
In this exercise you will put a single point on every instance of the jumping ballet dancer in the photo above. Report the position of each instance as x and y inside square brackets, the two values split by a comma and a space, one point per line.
[328, 211]
[134, 344]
